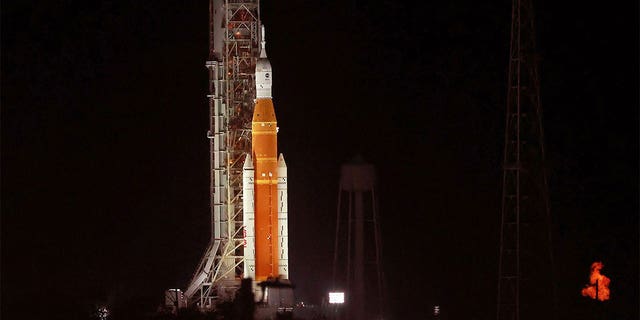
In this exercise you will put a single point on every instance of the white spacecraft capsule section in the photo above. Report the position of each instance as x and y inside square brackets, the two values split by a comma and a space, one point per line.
[283, 219]
[248, 216]
[264, 74]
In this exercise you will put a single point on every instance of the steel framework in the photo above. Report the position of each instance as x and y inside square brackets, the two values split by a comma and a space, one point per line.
[525, 273]
[234, 46]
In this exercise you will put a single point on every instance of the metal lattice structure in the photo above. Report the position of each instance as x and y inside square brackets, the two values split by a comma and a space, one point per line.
[234, 47]
[525, 281]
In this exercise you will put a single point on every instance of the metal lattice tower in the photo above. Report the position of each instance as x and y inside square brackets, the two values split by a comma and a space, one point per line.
[234, 47]
[525, 281]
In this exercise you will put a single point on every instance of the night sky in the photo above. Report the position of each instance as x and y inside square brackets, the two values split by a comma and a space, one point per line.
[105, 155]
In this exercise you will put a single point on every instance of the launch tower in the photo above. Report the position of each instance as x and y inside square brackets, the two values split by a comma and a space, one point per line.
[525, 280]
[249, 215]
[234, 47]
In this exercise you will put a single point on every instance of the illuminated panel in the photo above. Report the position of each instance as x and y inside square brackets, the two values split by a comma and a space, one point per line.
[336, 297]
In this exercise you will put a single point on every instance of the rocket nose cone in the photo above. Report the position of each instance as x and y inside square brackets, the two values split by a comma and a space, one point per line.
[248, 163]
[281, 162]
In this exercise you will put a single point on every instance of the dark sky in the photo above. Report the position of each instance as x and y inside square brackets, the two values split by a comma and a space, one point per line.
[105, 156]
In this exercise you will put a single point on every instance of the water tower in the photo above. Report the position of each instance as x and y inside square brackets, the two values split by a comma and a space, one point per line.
[356, 264]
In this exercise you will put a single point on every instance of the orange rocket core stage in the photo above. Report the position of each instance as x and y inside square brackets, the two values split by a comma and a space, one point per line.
[264, 144]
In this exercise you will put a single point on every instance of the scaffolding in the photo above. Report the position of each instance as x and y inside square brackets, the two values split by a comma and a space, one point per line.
[234, 46]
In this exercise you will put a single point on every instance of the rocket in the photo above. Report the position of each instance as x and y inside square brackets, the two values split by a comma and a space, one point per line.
[265, 213]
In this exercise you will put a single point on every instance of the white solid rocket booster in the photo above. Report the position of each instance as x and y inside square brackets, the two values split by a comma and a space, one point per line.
[283, 233]
[248, 219]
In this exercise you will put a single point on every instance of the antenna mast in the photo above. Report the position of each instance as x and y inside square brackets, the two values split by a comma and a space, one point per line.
[525, 281]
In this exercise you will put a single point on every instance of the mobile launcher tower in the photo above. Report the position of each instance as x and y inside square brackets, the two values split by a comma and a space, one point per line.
[248, 180]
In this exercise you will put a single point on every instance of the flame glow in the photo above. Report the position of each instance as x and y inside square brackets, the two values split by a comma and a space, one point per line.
[598, 287]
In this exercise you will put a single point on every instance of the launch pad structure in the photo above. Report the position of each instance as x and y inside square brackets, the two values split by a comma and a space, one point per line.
[234, 47]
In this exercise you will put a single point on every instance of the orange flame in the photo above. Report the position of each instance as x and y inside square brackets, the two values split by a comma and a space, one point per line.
[598, 287]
